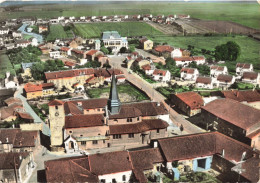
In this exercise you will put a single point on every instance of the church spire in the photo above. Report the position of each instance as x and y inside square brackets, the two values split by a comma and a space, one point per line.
[113, 102]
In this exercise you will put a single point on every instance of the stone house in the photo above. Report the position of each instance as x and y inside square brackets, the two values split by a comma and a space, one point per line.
[188, 102]
[204, 82]
[243, 67]
[217, 70]
[16, 167]
[226, 116]
[190, 74]
[163, 50]
[251, 77]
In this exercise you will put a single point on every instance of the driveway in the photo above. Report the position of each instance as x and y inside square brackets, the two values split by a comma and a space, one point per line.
[148, 88]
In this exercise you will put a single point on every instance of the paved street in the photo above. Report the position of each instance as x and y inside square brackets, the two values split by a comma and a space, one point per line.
[154, 95]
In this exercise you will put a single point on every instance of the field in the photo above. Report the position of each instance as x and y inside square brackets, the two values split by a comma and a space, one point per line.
[93, 30]
[128, 89]
[245, 13]
[249, 46]
[57, 31]
[5, 65]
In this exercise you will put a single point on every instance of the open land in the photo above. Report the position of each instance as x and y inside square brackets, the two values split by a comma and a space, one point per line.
[92, 30]
[5, 65]
[57, 32]
[244, 13]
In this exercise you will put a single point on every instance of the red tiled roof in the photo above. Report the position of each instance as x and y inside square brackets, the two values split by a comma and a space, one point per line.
[183, 59]
[92, 52]
[243, 65]
[145, 125]
[159, 72]
[81, 121]
[248, 95]
[192, 99]
[78, 51]
[250, 75]
[25, 115]
[205, 80]
[163, 48]
[68, 73]
[146, 67]
[218, 68]
[108, 163]
[68, 63]
[7, 160]
[55, 102]
[29, 87]
[188, 70]
[231, 111]
[224, 78]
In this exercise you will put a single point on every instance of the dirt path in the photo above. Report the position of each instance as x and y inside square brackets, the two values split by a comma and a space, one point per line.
[166, 29]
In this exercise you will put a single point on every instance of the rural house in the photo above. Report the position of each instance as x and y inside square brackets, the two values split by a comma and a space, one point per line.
[217, 70]
[113, 40]
[251, 77]
[161, 75]
[224, 81]
[204, 82]
[243, 67]
[146, 44]
[189, 74]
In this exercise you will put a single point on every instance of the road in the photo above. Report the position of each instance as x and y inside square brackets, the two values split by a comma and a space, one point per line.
[177, 119]
[37, 36]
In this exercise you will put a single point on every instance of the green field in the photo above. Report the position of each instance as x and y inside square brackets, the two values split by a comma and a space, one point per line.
[249, 46]
[123, 88]
[57, 31]
[95, 30]
[245, 13]
[5, 65]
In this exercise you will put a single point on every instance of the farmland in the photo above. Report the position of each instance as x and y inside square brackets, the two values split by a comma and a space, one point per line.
[57, 31]
[244, 13]
[249, 46]
[5, 65]
[94, 30]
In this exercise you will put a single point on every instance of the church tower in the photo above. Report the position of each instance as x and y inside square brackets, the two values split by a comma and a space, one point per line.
[113, 101]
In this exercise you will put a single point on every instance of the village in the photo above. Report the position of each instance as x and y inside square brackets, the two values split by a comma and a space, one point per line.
[118, 108]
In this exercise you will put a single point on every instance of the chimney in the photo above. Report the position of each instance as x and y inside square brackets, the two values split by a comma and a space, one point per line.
[20, 158]
[155, 144]
[158, 104]
[7, 140]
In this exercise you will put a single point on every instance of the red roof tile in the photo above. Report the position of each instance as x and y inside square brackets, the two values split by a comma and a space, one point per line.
[68, 73]
[159, 72]
[7, 160]
[163, 48]
[225, 78]
[250, 75]
[192, 99]
[247, 95]
[204, 80]
[188, 70]
[29, 87]
[92, 52]
[243, 65]
[81, 121]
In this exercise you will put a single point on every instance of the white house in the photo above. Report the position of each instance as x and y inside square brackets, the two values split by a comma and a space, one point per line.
[176, 53]
[22, 43]
[11, 81]
[217, 70]
[224, 81]
[161, 75]
[185, 61]
[55, 54]
[17, 34]
[189, 74]
[54, 21]
[4, 30]
[204, 82]
[113, 40]
[251, 77]
[61, 18]
[148, 69]
[243, 67]
[72, 18]
[199, 60]
[82, 18]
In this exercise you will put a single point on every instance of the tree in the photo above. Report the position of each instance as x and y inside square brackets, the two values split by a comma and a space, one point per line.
[132, 48]
[104, 50]
[229, 51]
[122, 50]
[106, 65]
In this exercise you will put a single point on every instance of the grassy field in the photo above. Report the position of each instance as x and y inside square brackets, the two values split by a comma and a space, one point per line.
[5, 65]
[240, 12]
[249, 46]
[57, 31]
[124, 88]
[124, 28]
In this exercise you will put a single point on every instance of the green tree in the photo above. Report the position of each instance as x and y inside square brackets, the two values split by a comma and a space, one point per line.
[104, 50]
[132, 48]
[122, 50]
[234, 50]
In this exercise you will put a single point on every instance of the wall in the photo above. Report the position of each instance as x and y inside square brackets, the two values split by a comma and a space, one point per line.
[123, 121]
[31, 95]
[31, 126]
[125, 140]
[117, 176]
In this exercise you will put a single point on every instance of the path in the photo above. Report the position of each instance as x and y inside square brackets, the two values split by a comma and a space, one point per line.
[37, 36]
[154, 95]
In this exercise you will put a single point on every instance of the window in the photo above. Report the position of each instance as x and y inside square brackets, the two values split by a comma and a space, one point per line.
[98, 110]
[117, 136]
[131, 135]
[56, 107]
[94, 142]
[138, 118]
[70, 131]
[103, 181]
[129, 119]
[124, 178]
[83, 142]
[113, 180]
[158, 130]
[230, 132]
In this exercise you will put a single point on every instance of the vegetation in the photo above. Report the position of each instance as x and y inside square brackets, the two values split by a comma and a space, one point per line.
[206, 46]
[166, 91]
[124, 28]
[245, 13]
[58, 32]
[243, 86]
[39, 112]
[203, 69]
[229, 51]
[5, 65]
[141, 73]
[39, 68]
[123, 88]
[89, 64]
[170, 66]
[16, 123]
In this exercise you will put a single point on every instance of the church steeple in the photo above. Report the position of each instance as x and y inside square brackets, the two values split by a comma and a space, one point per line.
[113, 101]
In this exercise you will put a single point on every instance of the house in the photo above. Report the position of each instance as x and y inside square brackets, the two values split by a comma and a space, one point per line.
[55, 54]
[33, 91]
[17, 34]
[251, 77]
[91, 54]
[185, 61]
[148, 69]
[4, 30]
[80, 54]
[26, 69]
[243, 67]
[113, 40]
[226, 116]
[69, 64]
[183, 16]
[204, 82]
[11, 81]
[177, 52]
[16, 140]
[102, 123]
[12, 100]
[161, 75]
[65, 51]
[216, 70]
[146, 44]
[22, 43]
[16, 166]
[9, 113]
[54, 20]
[163, 50]
[43, 28]
[224, 81]
[188, 102]
[189, 73]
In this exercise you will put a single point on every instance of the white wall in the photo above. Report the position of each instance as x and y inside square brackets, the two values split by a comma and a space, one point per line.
[117, 176]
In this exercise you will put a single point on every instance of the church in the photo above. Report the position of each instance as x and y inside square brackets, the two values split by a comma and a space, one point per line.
[79, 125]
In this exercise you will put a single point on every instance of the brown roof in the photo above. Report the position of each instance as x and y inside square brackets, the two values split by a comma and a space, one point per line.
[79, 121]
[13, 100]
[143, 40]
[7, 159]
[145, 125]
[146, 67]
[25, 115]
[67, 170]
[192, 99]
[243, 65]
[225, 78]
[29, 87]
[72, 108]
[188, 70]
[126, 112]
[64, 49]
[247, 95]
[159, 72]
[108, 163]
[163, 48]
[218, 68]
[205, 80]
[233, 112]
[47, 85]
[250, 75]
[68, 73]
[10, 110]
[55, 102]
[183, 59]
[92, 52]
